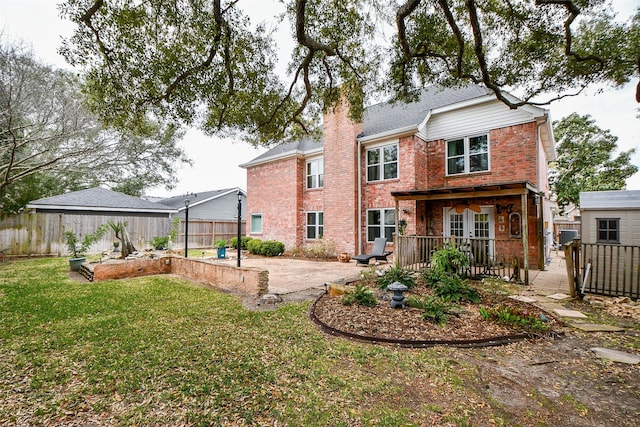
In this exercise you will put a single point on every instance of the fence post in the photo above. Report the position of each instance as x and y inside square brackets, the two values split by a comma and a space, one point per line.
[568, 260]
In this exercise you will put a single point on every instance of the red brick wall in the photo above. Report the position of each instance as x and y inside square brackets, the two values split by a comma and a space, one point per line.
[513, 157]
[340, 179]
[275, 190]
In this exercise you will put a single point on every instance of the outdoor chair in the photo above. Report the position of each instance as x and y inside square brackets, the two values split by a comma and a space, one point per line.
[378, 252]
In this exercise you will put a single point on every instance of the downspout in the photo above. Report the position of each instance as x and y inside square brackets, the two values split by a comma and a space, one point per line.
[359, 200]
[542, 250]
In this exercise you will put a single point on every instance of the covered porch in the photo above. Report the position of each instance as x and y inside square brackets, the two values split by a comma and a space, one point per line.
[499, 226]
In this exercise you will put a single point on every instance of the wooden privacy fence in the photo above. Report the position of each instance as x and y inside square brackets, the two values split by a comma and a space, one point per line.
[487, 257]
[604, 269]
[43, 233]
[204, 233]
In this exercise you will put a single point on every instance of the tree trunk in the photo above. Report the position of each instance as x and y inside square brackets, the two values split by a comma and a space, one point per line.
[127, 246]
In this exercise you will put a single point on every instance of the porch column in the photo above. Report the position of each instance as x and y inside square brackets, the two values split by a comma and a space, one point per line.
[525, 235]
[396, 247]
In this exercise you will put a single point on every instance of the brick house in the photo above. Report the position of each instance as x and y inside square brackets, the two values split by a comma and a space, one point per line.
[455, 163]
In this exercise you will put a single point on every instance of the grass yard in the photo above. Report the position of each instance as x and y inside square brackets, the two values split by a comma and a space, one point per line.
[165, 351]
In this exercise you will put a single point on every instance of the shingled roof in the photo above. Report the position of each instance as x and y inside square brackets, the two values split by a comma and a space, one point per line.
[177, 202]
[99, 199]
[385, 117]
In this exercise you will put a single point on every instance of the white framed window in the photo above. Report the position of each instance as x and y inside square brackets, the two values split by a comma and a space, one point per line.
[382, 162]
[381, 223]
[468, 155]
[315, 225]
[256, 223]
[315, 173]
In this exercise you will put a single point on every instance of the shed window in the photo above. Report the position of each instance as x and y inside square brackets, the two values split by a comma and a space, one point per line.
[608, 230]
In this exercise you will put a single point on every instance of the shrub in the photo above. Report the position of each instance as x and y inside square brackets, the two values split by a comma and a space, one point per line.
[253, 246]
[321, 248]
[434, 309]
[220, 244]
[514, 316]
[396, 274]
[244, 241]
[454, 289]
[265, 247]
[449, 261]
[361, 295]
[271, 248]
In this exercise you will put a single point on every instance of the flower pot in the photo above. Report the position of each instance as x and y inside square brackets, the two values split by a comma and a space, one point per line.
[344, 257]
[75, 263]
[222, 252]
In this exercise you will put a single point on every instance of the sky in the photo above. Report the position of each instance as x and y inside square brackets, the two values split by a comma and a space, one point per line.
[215, 160]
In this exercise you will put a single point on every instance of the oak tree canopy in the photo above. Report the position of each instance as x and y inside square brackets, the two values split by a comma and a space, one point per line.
[204, 63]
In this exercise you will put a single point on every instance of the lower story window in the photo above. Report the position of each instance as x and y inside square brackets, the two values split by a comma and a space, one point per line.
[608, 230]
[381, 223]
[315, 225]
[256, 223]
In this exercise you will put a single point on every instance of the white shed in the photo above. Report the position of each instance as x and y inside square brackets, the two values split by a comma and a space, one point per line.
[611, 217]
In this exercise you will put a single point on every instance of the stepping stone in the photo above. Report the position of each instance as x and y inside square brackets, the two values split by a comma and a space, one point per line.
[559, 296]
[570, 313]
[616, 356]
[590, 327]
[522, 298]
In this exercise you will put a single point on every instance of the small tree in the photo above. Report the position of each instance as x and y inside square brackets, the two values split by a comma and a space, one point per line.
[585, 160]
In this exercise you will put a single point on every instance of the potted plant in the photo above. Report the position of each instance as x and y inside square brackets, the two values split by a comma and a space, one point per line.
[78, 248]
[221, 245]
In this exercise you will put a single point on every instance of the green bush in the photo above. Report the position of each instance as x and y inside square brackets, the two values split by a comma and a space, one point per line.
[434, 309]
[265, 247]
[454, 289]
[244, 241]
[514, 316]
[253, 246]
[396, 274]
[361, 295]
[271, 248]
[449, 261]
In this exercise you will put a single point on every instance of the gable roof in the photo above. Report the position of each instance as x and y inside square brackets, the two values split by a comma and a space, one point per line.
[177, 202]
[300, 148]
[98, 199]
[382, 118]
[390, 116]
[615, 199]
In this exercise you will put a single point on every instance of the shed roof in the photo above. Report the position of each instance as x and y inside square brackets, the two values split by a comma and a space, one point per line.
[615, 199]
[98, 199]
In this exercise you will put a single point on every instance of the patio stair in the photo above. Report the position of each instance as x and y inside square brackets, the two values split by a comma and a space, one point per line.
[86, 272]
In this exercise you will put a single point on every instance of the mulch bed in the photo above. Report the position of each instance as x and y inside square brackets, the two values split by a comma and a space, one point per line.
[407, 327]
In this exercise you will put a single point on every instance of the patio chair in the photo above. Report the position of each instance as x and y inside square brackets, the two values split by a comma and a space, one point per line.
[378, 252]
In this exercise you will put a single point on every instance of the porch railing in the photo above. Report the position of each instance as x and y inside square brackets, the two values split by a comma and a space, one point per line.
[487, 257]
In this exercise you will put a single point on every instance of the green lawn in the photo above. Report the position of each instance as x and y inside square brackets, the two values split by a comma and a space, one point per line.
[160, 350]
[165, 351]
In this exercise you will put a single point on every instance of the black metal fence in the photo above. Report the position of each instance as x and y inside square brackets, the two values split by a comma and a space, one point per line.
[612, 270]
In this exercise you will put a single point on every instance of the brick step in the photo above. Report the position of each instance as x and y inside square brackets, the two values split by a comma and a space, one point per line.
[86, 272]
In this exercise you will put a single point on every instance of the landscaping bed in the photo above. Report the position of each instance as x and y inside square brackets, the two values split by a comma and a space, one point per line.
[407, 325]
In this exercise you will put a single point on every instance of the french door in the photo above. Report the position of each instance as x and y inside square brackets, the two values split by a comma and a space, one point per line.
[474, 230]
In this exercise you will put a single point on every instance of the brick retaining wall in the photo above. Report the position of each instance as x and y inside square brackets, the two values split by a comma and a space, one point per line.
[243, 280]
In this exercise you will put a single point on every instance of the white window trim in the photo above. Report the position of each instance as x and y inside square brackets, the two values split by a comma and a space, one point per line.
[316, 226]
[467, 163]
[251, 231]
[306, 175]
[380, 146]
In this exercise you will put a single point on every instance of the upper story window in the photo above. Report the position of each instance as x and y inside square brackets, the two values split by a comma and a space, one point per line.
[467, 155]
[608, 230]
[315, 173]
[382, 162]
